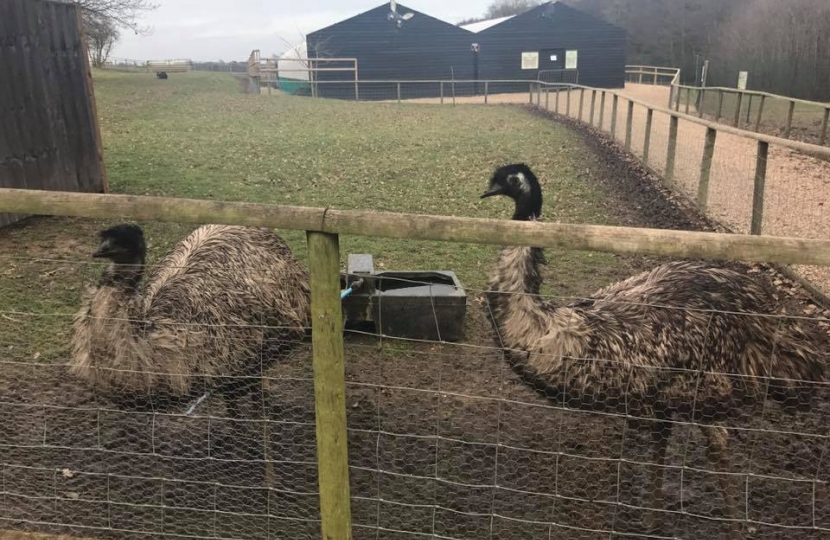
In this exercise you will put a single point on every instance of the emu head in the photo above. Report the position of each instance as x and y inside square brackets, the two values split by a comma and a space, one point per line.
[122, 244]
[519, 183]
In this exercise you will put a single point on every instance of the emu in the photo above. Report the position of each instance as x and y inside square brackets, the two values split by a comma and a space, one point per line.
[222, 304]
[656, 346]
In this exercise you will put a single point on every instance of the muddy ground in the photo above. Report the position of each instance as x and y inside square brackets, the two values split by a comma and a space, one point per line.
[445, 441]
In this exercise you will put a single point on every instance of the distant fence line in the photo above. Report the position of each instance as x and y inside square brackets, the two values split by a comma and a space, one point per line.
[49, 137]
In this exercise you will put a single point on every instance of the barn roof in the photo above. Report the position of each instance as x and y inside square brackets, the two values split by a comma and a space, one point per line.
[480, 26]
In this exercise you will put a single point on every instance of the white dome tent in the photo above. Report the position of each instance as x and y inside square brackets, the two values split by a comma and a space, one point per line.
[293, 75]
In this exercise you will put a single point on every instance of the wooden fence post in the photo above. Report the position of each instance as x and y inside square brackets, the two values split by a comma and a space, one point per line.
[789, 128]
[442, 92]
[823, 138]
[629, 121]
[547, 98]
[530, 93]
[758, 192]
[677, 101]
[539, 94]
[740, 101]
[602, 110]
[486, 91]
[749, 110]
[688, 99]
[701, 98]
[760, 114]
[706, 168]
[558, 90]
[581, 102]
[641, 76]
[399, 92]
[329, 385]
[568, 104]
[593, 106]
[647, 138]
[720, 106]
[655, 76]
[614, 116]
[671, 152]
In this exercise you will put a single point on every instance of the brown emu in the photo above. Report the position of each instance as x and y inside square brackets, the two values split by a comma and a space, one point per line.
[208, 311]
[656, 346]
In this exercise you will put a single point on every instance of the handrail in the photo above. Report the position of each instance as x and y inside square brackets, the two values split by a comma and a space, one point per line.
[623, 240]
[819, 104]
[807, 148]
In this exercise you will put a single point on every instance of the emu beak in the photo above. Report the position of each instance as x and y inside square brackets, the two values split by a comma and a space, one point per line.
[493, 192]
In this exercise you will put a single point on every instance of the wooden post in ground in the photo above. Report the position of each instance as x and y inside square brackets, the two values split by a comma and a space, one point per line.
[655, 76]
[720, 106]
[593, 106]
[749, 110]
[329, 385]
[486, 91]
[647, 138]
[706, 168]
[629, 122]
[758, 192]
[740, 100]
[760, 114]
[442, 92]
[823, 137]
[616, 101]
[530, 93]
[581, 102]
[602, 110]
[688, 99]
[701, 102]
[399, 92]
[671, 152]
[789, 128]
[568, 103]
[557, 99]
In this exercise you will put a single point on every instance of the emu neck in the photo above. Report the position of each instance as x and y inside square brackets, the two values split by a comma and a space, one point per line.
[126, 277]
[517, 309]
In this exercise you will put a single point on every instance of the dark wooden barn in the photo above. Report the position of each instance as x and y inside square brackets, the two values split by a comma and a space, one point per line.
[391, 49]
[552, 42]
[555, 43]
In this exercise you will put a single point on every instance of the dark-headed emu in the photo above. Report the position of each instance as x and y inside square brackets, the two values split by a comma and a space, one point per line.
[209, 310]
[657, 346]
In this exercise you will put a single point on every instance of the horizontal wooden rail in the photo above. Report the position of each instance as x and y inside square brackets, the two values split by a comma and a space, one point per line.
[420, 227]
[728, 90]
[807, 148]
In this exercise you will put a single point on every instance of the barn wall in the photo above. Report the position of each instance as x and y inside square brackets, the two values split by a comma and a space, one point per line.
[423, 48]
[600, 46]
[49, 136]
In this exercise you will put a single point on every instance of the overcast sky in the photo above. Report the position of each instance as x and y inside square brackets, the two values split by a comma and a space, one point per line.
[230, 29]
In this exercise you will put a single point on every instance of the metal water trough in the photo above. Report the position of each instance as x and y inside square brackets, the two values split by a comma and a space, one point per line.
[429, 305]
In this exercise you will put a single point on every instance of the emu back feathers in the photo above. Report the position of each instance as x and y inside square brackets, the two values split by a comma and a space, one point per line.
[210, 307]
[679, 336]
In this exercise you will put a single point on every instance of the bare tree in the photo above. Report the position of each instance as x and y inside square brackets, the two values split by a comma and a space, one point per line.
[101, 35]
[118, 13]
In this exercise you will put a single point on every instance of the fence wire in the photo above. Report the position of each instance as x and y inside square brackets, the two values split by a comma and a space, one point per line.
[446, 440]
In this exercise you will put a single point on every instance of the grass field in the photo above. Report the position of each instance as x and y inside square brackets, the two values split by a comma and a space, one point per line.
[197, 135]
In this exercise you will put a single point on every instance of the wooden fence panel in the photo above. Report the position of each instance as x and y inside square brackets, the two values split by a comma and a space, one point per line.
[49, 134]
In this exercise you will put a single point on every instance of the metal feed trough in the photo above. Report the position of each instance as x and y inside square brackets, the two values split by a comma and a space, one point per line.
[429, 305]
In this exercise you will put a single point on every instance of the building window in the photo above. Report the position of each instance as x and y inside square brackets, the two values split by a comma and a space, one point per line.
[570, 59]
[530, 60]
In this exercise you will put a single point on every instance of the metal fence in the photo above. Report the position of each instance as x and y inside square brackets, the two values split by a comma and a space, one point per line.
[391, 437]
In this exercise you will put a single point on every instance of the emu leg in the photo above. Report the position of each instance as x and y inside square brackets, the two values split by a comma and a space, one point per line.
[660, 433]
[718, 453]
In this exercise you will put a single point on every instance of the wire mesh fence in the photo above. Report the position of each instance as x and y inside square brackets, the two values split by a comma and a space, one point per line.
[448, 436]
